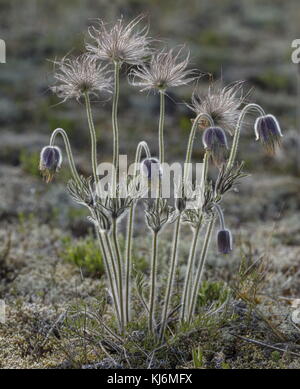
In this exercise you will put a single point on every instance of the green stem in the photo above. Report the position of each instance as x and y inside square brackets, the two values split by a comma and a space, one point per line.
[171, 277]
[153, 277]
[188, 277]
[142, 145]
[221, 216]
[161, 128]
[93, 138]
[120, 272]
[60, 131]
[237, 132]
[110, 277]
[187, 289]
[199, 272]
[161, 135]
[190, 145]
[115, 124]
[114, 268]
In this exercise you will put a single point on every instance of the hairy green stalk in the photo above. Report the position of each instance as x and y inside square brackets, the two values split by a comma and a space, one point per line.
[117, 273]
[120, 271]
[173, 265]
[161, 128]
[93, 138]
[190, 266]
[60, 131]
[114, 117]
[188, 282]
[190, 145]
[112, 283]
[107, 241]
[237, 132]
[141, 146]
[153, 277]
[189, 273]
[199, 272]
[221, 216]
[161, 123]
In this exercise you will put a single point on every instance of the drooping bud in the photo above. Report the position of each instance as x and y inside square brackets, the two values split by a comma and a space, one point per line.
[180, 204]
[151, 168]
[267, 130]
[50, 162]
[214, 139]
[224, 241]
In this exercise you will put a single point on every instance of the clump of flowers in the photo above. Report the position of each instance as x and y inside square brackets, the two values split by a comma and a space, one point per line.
[220, 111]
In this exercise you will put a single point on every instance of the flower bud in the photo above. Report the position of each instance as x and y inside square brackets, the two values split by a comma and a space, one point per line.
[180, 204]
[268, 131]
[50, 162]
[151, 168]
[224, 241]
[214, 139]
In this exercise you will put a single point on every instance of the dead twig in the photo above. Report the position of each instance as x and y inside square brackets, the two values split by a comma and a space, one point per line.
[263, 344]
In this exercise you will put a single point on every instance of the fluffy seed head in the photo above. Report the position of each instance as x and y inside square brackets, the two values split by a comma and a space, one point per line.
[221, 104]
[214, 139]
[120, 43]
[224, 239]
[166, 70]
[267, 130]
[80, 75]
[50, 162]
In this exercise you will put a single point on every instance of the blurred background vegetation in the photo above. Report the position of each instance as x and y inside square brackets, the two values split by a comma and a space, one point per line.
[229, 39]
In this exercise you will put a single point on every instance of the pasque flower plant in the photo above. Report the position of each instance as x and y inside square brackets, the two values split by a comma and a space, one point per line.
[219, 117]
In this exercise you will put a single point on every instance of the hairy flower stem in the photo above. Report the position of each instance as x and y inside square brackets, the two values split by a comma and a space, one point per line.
[237, 132]
[142, 145]
[188, 282]
[191, 261]
[120, 271]
[161, 128]
[111, 255]
[93, 138]
[203, 255]
[115, 124]
[60, 131]
[108, 268]
[161, 135]
[171, 277]
[190, 145]
[153, 277]
[221, 216]
[189, 273]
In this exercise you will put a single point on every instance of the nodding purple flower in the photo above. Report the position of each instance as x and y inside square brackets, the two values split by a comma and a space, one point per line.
[180, 204]
[50, 162]
[214, 139]
[151, 168]
[224, 241]
[267, 130]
